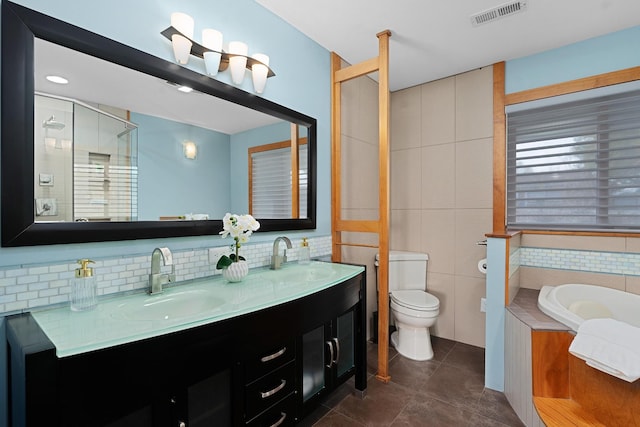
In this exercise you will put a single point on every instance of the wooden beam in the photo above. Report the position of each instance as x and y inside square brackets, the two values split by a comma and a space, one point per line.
[499, 150]
[336, 156]
[586, 83]
[383, 267]
[357, 226]
[358, 70]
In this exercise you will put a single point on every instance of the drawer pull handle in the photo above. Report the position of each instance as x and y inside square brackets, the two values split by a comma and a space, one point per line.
[274, 355]
[331, 354]
[337, 343]
[281, 420]
[265, 394]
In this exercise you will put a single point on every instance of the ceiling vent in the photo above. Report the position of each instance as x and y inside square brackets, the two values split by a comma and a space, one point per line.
[498, 12]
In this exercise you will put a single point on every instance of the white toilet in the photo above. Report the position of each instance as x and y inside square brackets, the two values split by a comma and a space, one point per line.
[413, 309]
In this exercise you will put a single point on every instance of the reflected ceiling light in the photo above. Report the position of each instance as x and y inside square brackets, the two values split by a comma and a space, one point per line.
[190, 149]
[182, 42]
[57, 79]
[212, 39]
[215, 58]
[259, 71]
[185, 89]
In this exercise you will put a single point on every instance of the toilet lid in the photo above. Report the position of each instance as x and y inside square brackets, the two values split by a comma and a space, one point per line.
[416, 299]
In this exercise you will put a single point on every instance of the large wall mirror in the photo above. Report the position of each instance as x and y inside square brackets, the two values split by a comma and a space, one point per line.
[107, 156]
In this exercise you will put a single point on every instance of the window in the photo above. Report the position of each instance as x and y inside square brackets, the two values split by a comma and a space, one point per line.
[573, 162]
[271, 183]
[103, 191]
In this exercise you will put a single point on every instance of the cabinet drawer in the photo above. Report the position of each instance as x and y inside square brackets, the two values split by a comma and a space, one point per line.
[269, 360]
[281, 414]
[269, 389]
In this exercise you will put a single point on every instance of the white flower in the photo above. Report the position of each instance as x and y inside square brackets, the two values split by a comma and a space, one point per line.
[240, 227]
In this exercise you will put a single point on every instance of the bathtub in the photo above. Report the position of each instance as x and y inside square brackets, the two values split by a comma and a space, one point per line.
[571, 304]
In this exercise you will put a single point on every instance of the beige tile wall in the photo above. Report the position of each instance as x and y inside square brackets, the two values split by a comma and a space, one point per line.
[441, 191]
[359, 177]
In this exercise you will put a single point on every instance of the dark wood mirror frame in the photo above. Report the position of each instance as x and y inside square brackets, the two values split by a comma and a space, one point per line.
[20, 26]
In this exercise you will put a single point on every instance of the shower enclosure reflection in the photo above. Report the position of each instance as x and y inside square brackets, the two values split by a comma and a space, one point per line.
[86, 162]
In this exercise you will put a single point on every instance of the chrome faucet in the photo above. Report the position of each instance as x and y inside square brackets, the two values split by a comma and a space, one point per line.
[278, 260]
[156, 279]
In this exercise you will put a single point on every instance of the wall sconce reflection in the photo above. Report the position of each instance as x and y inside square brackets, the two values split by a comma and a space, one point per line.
[190, 150]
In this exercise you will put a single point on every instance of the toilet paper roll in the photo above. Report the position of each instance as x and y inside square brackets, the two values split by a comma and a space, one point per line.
[482, 266]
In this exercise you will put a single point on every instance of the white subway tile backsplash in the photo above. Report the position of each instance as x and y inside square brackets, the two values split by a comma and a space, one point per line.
[25, 287]
[622, 263]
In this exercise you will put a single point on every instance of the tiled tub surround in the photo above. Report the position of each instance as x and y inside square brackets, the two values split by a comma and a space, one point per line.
[25, 287]
[588, 261]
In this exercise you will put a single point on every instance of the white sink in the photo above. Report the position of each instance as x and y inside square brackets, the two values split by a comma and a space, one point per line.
[170, 306]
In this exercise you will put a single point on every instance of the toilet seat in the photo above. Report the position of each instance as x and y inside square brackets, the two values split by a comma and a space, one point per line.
[415, 300]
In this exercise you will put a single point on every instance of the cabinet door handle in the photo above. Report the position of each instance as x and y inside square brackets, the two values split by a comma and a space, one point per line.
[281, 420]
[337, 343]
[274, 355]
[265, 394]
[331, 354]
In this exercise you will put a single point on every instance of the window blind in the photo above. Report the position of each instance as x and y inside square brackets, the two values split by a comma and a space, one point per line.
[271, 183]
[105, 192]
[575, 165]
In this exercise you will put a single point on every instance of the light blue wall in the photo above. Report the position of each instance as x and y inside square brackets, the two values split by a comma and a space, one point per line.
[169, 183]
[611, 52]
[494, 330]
[302, 83]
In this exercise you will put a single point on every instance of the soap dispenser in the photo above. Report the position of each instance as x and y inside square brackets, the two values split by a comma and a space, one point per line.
[304, 253]
[84, 287]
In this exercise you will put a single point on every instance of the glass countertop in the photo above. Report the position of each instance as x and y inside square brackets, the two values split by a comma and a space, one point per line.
[123, 319]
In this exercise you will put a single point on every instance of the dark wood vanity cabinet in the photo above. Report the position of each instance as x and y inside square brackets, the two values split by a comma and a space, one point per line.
[247, 370]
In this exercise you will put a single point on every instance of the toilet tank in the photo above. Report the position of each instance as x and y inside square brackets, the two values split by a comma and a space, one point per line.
[407, 270]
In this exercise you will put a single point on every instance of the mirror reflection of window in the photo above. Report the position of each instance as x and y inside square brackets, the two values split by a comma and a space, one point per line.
[272, 193]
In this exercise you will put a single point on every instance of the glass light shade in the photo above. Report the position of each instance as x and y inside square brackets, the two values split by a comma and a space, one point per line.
[183, 23]
[190, 149]
[238, 63]
[212, 39]
[181, 48]
[259, 72]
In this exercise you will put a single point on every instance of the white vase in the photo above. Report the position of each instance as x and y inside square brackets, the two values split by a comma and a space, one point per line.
[236, 271]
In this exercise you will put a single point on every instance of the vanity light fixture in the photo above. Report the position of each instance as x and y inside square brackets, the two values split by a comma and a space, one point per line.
[215, 58]
[212, 39]
[190, 150]
[259, 71]
[57, 79]
[238, 60]
[181, 41]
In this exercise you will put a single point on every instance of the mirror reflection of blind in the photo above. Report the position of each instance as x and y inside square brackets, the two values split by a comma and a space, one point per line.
[575, 164]
[105, 192]
[271, 183]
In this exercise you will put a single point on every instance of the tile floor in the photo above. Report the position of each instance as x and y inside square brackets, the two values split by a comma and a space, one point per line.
[446, 391]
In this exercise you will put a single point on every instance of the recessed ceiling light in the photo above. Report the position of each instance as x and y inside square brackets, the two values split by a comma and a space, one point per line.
[57, 79]
[185, 89]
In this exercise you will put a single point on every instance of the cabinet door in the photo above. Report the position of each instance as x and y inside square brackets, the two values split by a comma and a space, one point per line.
[344, 340]
[315, 362]
[328, 357]
[209, 401]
